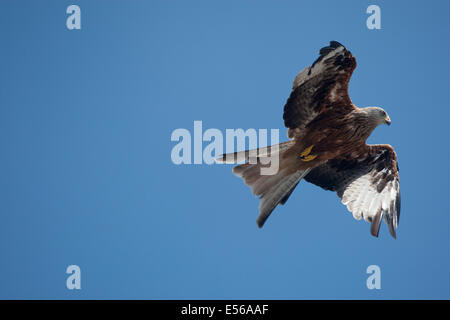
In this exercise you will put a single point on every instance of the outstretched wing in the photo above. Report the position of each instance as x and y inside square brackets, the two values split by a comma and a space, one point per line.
[320, 87]
[368, 185]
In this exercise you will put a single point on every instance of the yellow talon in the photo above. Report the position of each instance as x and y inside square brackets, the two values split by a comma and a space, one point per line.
[309, 158]
[306, 151]
[305, 155]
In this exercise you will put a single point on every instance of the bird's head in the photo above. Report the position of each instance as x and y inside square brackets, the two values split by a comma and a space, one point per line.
[377, 115]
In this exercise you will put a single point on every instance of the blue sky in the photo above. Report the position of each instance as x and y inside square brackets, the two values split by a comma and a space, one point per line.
[85, 123]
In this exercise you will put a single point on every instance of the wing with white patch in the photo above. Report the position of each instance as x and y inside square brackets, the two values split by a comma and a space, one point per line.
[321, 86]
[368, 185]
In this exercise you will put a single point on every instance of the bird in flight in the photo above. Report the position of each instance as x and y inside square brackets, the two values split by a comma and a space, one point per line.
[327, 147]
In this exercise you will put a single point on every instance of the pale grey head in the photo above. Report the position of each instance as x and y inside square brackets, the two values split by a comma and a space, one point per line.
[377, 116]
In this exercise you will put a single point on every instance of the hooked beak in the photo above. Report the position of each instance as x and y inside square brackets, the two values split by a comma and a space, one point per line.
[388, 120]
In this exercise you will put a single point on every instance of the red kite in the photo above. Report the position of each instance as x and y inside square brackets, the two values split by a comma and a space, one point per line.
[328, 147]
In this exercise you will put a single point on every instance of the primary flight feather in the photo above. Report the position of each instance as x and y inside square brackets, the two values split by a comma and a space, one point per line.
[328, 147]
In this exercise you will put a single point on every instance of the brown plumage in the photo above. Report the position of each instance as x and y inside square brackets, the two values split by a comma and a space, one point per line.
[328, 147]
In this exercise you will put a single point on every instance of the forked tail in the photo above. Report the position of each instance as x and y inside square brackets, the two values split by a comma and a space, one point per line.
[273, 189]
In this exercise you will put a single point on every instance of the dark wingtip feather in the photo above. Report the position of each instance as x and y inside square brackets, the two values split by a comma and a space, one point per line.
[260, 222]
[392, 231]
[388, 219]
[376, 223]
[335, 44]
[325, 50]
[374, 231]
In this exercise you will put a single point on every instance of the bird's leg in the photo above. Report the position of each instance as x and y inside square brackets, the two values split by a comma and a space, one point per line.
[306, 156]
